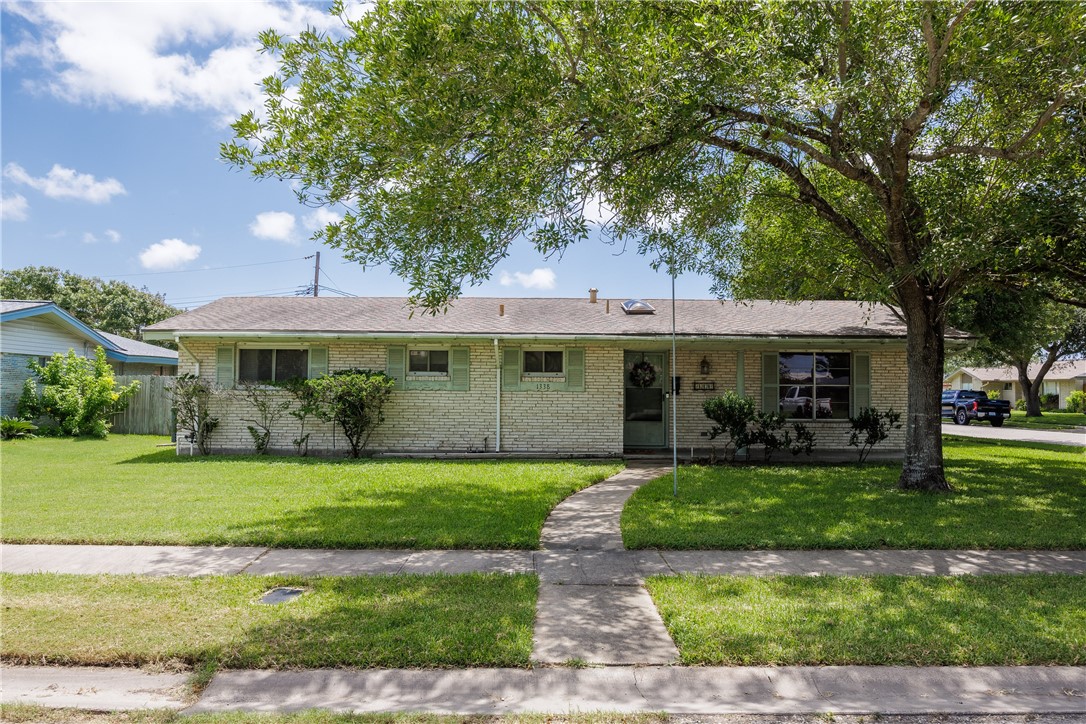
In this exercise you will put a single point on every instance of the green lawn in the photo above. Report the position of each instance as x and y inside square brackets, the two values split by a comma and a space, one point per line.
[881, 620]
[1047, 421]
[1007, 495]
[125, 490]
[366, 621]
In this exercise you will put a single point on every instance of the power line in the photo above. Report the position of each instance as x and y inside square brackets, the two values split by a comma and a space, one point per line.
[213, 268]
[233, 294]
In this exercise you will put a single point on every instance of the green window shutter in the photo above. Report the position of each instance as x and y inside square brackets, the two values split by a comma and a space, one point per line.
[224, 366]
[740, 373]
[510, 369]
[397, 365]
[318, 361]
[575, 370]
[770, 388]
[861, 381]
[459, 361]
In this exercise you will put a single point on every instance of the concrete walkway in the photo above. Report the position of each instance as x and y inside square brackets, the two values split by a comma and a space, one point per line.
[677, 690]
[597, 614]
[1072, 436]
[555, 566]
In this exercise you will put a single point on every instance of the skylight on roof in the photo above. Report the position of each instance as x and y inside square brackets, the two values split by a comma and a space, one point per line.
[637, 306]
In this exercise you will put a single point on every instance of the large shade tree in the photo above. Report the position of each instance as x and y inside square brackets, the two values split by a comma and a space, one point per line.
[450, 129]
[112, 306]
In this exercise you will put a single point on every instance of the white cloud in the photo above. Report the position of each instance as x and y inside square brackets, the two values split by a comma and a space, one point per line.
[535, 279]
[89, 238]
[66, 183]
[320, 218]
[597, 211]
[274, 225]
[14, 208]
[168, 254]
[113, 235]
[158, 54]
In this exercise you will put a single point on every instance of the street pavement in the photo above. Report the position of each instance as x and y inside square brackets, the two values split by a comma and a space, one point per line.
[984, 431]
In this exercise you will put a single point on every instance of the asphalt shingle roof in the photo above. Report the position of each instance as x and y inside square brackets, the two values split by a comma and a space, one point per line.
[1062, 370]
[541, 316]
[139, 349]
[14, 305]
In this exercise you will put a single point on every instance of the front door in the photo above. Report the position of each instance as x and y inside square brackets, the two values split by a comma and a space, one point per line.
[646, 382]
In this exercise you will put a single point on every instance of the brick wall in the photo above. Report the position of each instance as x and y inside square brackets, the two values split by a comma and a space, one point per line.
[13, 373]
[588, 422]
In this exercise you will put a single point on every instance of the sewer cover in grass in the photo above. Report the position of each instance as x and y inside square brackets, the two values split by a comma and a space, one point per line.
[281, 595]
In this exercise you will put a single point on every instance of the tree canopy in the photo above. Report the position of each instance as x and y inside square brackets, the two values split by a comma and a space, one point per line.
[111, 306]
[877, 135]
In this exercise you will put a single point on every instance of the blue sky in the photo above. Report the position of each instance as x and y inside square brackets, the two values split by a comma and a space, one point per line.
[112, 116]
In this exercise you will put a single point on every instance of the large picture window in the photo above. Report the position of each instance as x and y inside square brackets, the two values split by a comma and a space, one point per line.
[428, 362]
[814, 385]
[272, 365]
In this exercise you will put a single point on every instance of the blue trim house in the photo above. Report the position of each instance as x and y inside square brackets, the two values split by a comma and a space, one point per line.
[35, 330]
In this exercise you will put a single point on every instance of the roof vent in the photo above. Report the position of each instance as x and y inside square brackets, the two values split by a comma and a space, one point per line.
[636, 306]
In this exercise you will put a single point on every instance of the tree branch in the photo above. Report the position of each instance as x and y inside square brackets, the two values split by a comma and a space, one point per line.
[1009, 153]
[810, 195]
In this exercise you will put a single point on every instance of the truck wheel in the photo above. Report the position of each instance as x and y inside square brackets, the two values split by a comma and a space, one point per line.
[997, 422]
[961, 418]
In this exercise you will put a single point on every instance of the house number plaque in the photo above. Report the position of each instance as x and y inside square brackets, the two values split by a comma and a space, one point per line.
[704, 386]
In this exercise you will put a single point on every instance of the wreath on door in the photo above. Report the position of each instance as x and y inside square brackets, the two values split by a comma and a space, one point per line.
[642, 374]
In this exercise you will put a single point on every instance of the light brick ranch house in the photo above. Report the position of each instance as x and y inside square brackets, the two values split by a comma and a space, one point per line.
[550, 376]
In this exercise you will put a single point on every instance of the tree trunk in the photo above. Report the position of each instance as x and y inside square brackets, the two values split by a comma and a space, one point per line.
[923, 466]
[1031, 391]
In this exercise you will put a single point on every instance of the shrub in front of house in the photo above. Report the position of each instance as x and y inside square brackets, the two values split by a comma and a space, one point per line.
[1050, 401]
[871, 426]
[190, 397]
[732, 415]
[1076, 401]
[78, 395]
[355, 399]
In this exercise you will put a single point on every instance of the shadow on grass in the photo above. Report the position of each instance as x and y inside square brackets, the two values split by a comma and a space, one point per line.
[457, 515]
[1002, 499]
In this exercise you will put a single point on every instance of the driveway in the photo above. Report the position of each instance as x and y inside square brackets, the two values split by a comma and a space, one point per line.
[1074, 436]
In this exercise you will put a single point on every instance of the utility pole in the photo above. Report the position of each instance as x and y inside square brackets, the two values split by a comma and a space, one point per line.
[317, 275]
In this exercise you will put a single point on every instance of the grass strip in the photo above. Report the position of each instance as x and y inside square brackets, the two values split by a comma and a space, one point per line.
[1063, 421]
[372, 621]
[1006, 496]
[112, 491]
[1002, 620]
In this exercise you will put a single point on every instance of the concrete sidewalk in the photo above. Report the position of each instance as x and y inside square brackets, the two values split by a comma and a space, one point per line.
[703, 690]
[565, 567]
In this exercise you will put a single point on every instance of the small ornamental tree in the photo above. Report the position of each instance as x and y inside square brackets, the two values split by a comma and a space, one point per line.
[355, 399]
[269, 410]
[78, 394]
[308, 406]
[191, 400]
[732, 415]
[870, 427]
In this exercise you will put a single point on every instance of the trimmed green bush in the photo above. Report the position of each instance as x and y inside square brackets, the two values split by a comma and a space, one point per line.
[1076, 401]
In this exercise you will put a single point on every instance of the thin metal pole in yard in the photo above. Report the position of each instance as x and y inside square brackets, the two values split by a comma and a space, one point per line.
[674, 400]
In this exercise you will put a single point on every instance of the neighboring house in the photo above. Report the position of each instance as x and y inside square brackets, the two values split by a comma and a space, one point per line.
[1064, 378]
[36, 330]
[552, 376]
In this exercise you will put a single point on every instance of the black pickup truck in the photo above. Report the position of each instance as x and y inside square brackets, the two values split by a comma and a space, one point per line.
[965, 405]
